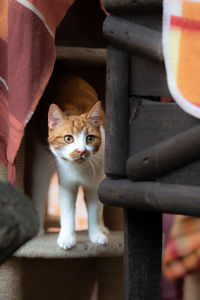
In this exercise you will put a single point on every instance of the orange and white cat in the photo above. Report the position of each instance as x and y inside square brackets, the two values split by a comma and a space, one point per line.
[76, 139]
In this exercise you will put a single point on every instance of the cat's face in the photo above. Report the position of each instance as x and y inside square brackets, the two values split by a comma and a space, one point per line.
[75, 138]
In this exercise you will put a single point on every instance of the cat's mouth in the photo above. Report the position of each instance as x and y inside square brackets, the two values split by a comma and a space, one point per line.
[76, 160]
[80, 159]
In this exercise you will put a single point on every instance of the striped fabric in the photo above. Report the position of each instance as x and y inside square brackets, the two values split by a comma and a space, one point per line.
[181, 47]
[27, 56]
[182, 253]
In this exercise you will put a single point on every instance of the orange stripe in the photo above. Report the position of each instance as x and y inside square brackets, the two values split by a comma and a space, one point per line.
[4, 19]
[189, 66]
[191, 10]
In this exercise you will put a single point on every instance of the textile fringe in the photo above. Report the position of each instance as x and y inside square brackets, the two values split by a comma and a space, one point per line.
[3, 159]
[11, 167]
[11, 173]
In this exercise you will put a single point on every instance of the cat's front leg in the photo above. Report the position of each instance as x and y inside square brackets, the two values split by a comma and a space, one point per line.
[95, 217]
[67, 238]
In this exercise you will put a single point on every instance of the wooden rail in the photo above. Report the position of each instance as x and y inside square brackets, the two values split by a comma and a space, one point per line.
[165, 157]
[132, 6]
[132, 37]
[81, 56]
[151, 196]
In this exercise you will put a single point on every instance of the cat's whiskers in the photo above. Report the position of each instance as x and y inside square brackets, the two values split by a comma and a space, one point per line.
[98, 164]
[97, 161]
[52, 164]
[93, 168]
[97, 156]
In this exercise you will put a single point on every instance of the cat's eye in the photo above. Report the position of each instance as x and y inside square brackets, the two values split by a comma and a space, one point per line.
[90, 139]
[68, 139]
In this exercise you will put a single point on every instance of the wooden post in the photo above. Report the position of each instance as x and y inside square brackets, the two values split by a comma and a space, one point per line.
[143, 245]
[143, 233]
[116, 113]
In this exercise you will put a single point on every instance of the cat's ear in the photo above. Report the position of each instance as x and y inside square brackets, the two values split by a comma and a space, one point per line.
[96, 115]
[55, 116]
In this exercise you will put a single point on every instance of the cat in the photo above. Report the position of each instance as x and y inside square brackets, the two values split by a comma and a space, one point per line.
[76, 139]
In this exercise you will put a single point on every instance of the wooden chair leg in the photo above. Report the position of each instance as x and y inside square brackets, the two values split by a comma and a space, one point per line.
[143, 245]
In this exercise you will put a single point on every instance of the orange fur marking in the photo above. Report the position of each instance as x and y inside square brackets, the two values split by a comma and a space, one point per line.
[79, 110]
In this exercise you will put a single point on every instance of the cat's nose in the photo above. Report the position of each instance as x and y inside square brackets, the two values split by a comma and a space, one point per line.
[81, 152]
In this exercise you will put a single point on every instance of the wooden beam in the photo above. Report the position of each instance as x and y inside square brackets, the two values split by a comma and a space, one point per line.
[81, 56]
[132, 37]
[165, 157]
[130, 6]
[151, 196]
[116, 112]
[18, 220]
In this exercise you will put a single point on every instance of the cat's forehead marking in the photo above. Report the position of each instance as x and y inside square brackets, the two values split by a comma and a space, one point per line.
[78, 124]
[75, 124]
[72, 125]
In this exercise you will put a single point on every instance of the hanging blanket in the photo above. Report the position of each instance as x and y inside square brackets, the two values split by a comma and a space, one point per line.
[181, 47]
[27, 56]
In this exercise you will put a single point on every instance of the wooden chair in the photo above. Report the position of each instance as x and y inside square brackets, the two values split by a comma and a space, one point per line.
[152, 148]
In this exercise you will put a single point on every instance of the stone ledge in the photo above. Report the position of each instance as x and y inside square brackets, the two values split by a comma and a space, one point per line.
[46, 247]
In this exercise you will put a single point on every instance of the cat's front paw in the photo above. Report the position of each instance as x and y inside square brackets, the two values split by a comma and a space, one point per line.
[105, 230]
[99, 238]
[66, 241]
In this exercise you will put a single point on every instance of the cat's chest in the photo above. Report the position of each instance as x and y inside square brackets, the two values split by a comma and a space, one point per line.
[71, 174]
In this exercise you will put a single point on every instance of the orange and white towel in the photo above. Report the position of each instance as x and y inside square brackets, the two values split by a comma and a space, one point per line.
[181, 47]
